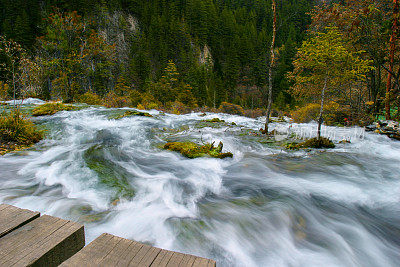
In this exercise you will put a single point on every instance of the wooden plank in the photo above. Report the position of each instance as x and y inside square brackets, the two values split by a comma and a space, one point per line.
[139, 256]
[150, 257]
[87, 256]
[130, 253]
[12, 218]
[187, 260]
[175, 259]
[163, 258]
[109, 250]
[45, 241]
[211, 263]
[202, 262]
[116, 256]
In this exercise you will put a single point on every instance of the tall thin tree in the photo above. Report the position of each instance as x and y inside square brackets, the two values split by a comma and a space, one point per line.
[271, 65]
[392, 49]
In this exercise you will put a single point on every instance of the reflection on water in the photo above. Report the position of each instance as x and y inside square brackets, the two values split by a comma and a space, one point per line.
[264, 207]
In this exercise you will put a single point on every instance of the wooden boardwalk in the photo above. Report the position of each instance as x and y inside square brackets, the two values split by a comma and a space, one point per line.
[28, 239]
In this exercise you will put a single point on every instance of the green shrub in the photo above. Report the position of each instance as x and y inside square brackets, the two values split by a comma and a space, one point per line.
[4, 88]
[333, 114]
[230, 108]
[51, 108]
[177, 107]
[112, 100]
[136, 98]
[89, 98]
[16, 131]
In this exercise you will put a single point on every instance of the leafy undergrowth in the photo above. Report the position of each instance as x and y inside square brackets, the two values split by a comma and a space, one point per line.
[52, 108]
[131, 113]
[192, 150]
[323, 142]
[17, 132]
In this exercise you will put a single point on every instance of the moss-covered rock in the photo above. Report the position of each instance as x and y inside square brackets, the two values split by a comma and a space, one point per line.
[131, 113]
[214, 123]
[323, 142]
[318, 143]
[192, 150]
[52, 108]
[110, 175]
[214, 120]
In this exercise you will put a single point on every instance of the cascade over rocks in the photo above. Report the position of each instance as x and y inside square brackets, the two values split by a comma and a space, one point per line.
[386, 127]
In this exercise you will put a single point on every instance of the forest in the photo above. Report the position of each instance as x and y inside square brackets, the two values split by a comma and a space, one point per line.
[196, 53]
[245, 132]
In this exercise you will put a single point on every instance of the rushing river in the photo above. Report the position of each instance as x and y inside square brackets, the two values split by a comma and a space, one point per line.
[265, 207]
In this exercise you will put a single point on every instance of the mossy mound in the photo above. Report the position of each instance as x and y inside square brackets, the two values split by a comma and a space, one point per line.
[17, 132]
[318, 143]
[131, 113]
[52, 108]
[214, 123]
[323, 142]
[214, 120]
[192, 150]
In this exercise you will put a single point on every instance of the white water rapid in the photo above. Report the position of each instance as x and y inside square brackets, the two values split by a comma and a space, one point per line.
[266, 206]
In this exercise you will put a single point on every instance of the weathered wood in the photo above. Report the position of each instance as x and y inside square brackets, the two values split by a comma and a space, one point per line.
[12, 217]
[163, 258]
[109, 250]
[175, 259]
[45, 241]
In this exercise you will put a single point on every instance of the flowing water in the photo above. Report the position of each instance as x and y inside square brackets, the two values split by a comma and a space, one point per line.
[265, 207]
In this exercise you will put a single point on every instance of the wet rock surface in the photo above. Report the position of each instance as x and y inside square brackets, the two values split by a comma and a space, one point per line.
[389, 128]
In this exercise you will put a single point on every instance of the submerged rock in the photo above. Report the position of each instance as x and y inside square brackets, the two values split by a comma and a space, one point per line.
[131, 113]
[192, 150]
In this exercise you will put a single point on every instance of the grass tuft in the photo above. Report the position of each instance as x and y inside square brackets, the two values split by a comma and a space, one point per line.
[17, 132]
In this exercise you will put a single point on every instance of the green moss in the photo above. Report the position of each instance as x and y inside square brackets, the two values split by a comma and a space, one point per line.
[214, 120]
[318, 143]
[131, 113]
[192, 150]
[52, 108]
[292, 146]
[110, 174]
[17, 132]
[214, 123]
[312, 143]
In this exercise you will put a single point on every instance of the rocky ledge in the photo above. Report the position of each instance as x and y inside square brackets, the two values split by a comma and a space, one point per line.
[389, 128]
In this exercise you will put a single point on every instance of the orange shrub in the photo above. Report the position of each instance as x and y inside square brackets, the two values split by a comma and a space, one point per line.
[3, 91]
[333, 113]
[230, 108]
[89, 98]
[112, 100]
[177, 107]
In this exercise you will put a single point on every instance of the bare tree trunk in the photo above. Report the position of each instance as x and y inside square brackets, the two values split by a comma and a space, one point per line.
[391, 58]
[14, 86]
[271, 65]
[321, 111]
[214, 104]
